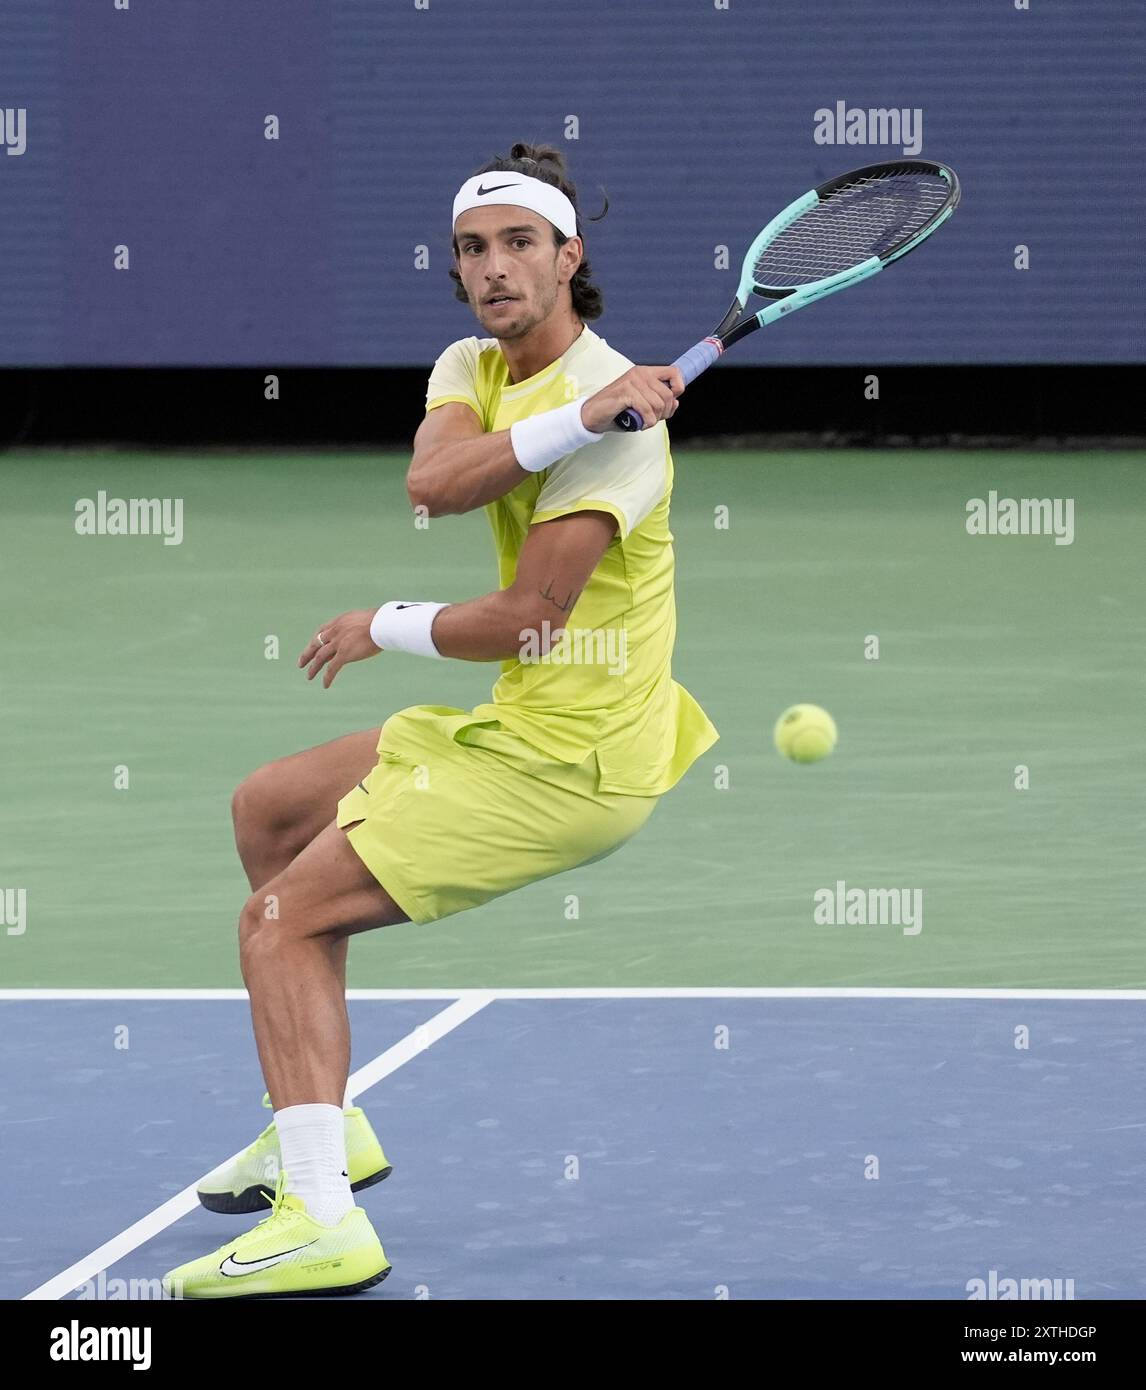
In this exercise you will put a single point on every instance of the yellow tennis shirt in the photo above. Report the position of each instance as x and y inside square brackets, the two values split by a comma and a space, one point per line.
[607, 685]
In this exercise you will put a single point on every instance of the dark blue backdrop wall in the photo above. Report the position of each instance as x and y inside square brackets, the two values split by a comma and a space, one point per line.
[144, 128]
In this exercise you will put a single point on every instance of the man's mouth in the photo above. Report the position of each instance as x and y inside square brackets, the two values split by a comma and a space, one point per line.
[497, 299]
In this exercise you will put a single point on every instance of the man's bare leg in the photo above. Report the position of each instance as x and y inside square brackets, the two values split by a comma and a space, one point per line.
[298, 1006]
[285, 804]
[292, 966]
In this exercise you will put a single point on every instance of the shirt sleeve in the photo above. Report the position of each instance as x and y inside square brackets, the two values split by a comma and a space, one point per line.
[625, 475]
[454, 376]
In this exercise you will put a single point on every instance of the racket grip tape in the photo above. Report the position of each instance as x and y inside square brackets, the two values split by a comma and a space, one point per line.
[696, 360]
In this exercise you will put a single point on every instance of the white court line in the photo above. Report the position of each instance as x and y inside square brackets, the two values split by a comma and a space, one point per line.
[178, 1206]
[601, 992]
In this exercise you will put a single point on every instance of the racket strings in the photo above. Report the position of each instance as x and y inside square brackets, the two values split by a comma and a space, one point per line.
[869, 217]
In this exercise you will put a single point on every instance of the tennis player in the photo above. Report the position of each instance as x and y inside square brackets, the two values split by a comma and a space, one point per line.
[447, 808]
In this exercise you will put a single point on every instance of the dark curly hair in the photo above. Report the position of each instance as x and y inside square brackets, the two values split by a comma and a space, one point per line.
[548, 164]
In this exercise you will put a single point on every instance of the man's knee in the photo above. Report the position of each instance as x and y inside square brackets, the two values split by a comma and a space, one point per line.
[266, 926]
[260, 925]
[253, 914]
[257, 804]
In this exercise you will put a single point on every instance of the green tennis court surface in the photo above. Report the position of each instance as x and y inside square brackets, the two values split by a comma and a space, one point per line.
[121, 653]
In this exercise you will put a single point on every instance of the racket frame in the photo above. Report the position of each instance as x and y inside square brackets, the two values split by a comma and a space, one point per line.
[787, 299]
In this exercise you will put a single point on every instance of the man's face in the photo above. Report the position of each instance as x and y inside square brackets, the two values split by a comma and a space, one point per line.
[510, 267]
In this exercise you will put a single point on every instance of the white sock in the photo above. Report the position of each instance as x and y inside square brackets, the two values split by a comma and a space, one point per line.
[312, 1139]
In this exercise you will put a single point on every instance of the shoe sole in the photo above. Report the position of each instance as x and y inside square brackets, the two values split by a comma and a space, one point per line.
[302, 1293]
[253, 1199]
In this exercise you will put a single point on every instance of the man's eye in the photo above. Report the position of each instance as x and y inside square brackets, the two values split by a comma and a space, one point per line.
[521, 241]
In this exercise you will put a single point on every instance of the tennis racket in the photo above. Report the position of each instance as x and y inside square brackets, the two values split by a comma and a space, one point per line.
[836, 235]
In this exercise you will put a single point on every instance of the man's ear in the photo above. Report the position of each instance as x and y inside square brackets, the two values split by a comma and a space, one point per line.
[574, 265]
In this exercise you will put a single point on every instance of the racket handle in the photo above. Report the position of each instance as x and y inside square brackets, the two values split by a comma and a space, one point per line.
[696, 360]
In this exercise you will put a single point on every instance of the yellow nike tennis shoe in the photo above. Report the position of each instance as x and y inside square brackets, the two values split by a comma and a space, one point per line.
[247, 1183]
[287, 1254]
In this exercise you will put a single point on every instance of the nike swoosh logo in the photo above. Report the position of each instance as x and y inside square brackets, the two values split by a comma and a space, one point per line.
[233, 1267]
[411, 605]
[494, 187]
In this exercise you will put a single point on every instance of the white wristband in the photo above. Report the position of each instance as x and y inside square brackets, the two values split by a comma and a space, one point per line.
[543, 439]
[405, 627]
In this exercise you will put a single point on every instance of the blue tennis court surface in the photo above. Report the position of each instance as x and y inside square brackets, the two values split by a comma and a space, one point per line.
[616, 1148]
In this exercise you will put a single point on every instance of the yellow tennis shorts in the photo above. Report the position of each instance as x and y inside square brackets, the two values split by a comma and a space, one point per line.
[458, 811]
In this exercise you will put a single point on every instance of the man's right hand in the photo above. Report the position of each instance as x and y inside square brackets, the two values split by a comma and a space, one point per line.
[652, 391]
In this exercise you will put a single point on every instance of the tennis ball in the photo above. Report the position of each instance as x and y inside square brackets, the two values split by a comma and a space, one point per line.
[805, 733]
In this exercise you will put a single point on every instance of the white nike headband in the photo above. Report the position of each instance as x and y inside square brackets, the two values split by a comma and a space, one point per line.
[517, 190]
